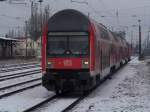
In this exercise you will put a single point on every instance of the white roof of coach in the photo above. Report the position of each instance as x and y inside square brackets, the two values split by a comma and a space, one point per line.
[5, 38]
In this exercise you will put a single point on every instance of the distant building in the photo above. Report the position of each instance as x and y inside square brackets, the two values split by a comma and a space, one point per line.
[147, 49]
[27, 47]
[6, 47]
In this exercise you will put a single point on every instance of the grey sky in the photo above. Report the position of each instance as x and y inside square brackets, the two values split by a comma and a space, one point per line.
[103, 11]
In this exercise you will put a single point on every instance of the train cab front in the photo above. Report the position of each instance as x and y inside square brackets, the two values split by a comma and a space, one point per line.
[67, 61]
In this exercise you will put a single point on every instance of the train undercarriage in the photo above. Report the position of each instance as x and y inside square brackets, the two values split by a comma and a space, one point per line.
[68, 80]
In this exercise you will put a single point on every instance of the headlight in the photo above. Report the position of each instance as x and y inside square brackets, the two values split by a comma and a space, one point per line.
[86, 62]
[49, 63]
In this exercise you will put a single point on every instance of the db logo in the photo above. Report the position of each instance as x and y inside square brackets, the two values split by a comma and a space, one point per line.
[67, 63]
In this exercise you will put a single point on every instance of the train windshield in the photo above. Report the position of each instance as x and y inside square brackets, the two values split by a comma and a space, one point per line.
[70, 45]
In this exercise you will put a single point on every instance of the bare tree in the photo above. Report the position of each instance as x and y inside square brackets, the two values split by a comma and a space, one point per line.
[34, 27]
[11, 33]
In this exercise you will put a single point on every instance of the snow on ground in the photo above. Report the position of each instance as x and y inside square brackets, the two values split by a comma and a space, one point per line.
[19, 80]
[6, 91]
[127, 91]
[57, 105]
[24, 100]
[5, 68]
[20, 71]
[6, 62]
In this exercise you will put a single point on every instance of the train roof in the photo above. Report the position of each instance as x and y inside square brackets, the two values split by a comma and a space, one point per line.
[119, 39]
[68, 20]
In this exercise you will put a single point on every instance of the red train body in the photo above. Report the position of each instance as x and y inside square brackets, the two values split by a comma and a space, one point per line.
[77, 52]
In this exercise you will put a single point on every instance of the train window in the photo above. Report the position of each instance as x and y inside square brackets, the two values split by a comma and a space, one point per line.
[67, 33]
[115, 36]
[104, 34]
[105, 59]
[78, 45]
[112, 49]
[57, 45]
[68, 45]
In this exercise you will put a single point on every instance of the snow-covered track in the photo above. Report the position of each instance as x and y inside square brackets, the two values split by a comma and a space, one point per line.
[18, 64]
[69, 106]
[18, 68]
[41, 103]
[37, 83]
[49, 100]
[17, 75]
[72, 105]
[19, 84]
[58, 97]
[56, 100]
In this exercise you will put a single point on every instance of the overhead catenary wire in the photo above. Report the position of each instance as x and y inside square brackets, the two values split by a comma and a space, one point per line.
[116, 15]
[101, 15]
[97, 12]
[12, 17]
[119, 12]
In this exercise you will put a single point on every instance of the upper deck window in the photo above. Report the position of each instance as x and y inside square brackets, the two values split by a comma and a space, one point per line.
[68, 44]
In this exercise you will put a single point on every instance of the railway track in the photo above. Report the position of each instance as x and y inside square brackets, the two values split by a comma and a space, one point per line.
[25, 84]
[68, 107]
[17, 75]
[40, 104]
[51, 99]
[18, 68]
[18, 64]
[71, 105]
[19, 87]
[19, 84]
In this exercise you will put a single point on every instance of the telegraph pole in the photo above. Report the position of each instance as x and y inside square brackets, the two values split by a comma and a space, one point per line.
[26, 36]
[88, 14]
[132, 39]
[40, 1]
[148, 38]
[31, 18]
[139, 39]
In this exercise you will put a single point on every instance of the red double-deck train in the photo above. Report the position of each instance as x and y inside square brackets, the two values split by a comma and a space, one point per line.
[78, 52]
